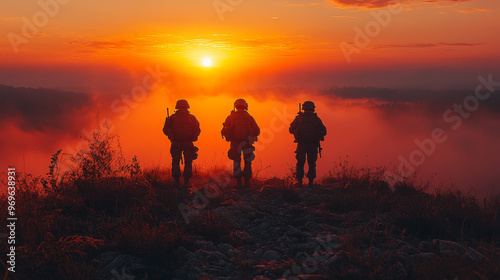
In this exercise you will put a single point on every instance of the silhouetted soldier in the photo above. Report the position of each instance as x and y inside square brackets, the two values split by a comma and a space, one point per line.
[182, 130]
[241, 130]
[308, 130]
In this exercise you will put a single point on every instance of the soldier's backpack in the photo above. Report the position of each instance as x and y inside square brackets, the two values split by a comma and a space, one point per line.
[240, 128]
[182, 127]
[310, 129]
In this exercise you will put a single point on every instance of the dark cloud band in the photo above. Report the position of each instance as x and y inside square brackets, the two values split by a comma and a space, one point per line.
[43, 110]
[373, 4]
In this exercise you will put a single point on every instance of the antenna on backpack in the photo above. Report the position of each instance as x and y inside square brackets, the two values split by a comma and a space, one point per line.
[168, 113]
[300, 108]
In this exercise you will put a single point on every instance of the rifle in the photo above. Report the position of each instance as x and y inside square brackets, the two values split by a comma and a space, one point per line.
[319, 149]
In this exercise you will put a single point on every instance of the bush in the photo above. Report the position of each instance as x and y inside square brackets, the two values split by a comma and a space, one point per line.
[101, 158]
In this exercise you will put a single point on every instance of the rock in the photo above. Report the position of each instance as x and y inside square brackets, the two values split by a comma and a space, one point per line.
[309, 246]
[125, 261]
[265, 226]
[425, 247]
[294, 232]
[224, 248]
[261, 277]
[105, 258]
[475, 256]
[182, 252]
[245, 208]
[202, 254]
[371, 254]
[194, 274]
[423, 258]
[313, 226]
[451, 248]
[271, 255]
[205, 245]
[215, 256]
[243, 236]
[242, 222]
[258, 253]
[408, 249]
[445, 245]
[337, 261]
[235, 254]
[284, 240]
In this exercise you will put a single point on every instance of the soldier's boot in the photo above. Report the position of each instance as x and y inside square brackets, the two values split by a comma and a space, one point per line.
[239, 182]
[311, 182]
[299, 182]
[247, 183]
[177, 182]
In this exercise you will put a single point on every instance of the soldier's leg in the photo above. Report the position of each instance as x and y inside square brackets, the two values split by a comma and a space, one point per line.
[176, 153]
[189, 156]
[312, 157]
[188, 171]
[301, 160]
[235, 155]
[248, 156]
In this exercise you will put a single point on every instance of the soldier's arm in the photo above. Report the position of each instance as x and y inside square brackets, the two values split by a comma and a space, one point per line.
[322, 127]
[225, 125]
[293, 126]
[168, 122]
[256, 127]
[167, 127]
[197, 129]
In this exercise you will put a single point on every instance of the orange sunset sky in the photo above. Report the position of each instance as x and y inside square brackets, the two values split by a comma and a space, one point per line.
[128, 61]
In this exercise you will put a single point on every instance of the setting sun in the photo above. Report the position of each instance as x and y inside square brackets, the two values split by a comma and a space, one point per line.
[207, 62]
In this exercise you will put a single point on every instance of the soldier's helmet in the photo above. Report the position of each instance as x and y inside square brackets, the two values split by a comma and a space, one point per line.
[182, 104]
[241, 103]
[308, 105]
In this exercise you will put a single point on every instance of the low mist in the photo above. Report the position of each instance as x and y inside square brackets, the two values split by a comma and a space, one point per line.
[367, 127]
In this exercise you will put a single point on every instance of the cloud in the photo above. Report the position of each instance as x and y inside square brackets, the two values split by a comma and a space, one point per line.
[472, 11]
[8, 19]
[426, 45]
[375, 4]
[175, 45]
[301, 3]
[404, 101]
[343, 16]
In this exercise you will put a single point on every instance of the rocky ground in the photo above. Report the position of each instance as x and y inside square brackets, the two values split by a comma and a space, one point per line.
[270, 232]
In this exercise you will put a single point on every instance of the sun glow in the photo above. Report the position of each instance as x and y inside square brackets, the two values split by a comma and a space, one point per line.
[207, 62]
